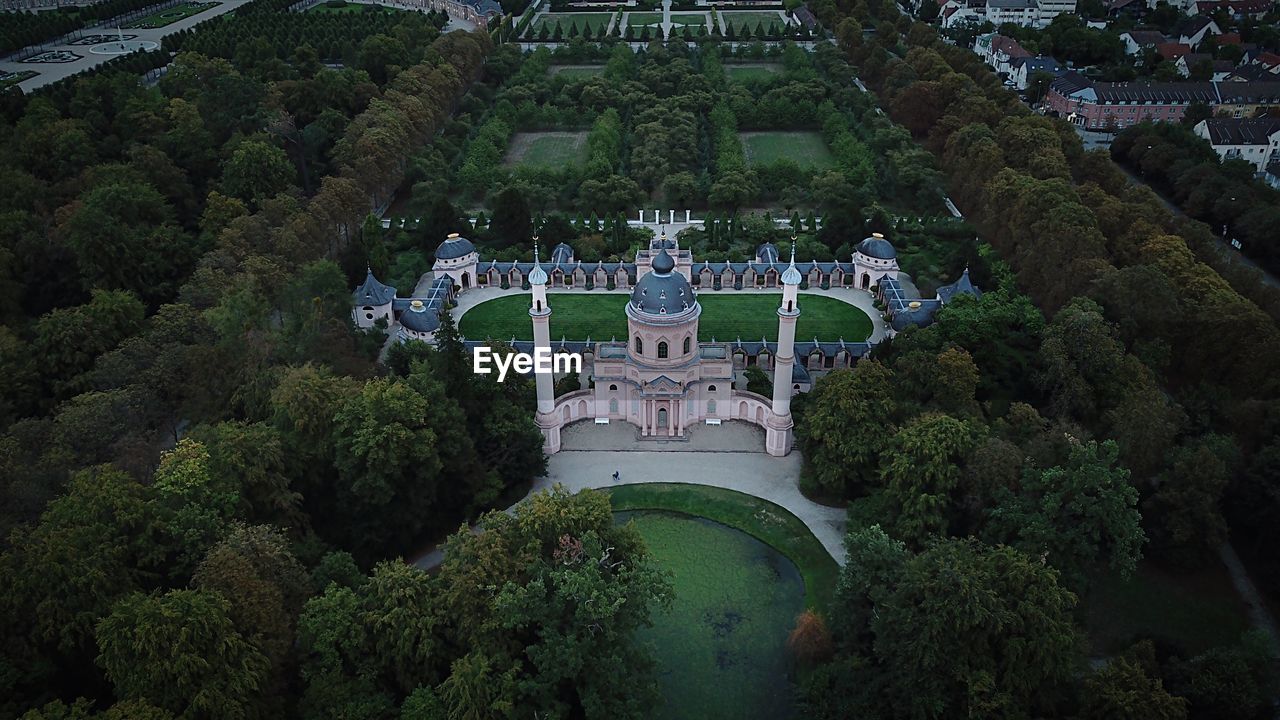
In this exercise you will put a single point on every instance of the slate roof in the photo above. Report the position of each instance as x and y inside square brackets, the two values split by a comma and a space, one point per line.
[454, 246]
[877, 247]
[372, 292]
[663, 292]
[1241, 131]
[1147, 37]
[963, 286]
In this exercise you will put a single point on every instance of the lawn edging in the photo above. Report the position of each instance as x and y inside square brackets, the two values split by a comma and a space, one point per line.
[785, 533]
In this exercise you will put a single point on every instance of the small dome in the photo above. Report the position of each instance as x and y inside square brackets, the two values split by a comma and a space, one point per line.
[537, 276]
[562, 254]
[877, 247]
[419, 318]
[454, 246]
[664, 263]
[663, 292]
[791, 276]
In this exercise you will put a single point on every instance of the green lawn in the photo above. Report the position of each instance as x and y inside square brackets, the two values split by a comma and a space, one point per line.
[596, 21]
[690, 19]
[720, 649]
[171, 15]
[576, 72]
[637, 19]
[772, 524]
[547, 149]
[1195, 611]
[344, 8]
[725, 317]
[752, 71]
[741, 19]
[805, 149]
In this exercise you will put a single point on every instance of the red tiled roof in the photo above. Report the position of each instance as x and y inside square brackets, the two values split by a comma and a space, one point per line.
[1229, 39]
[1008, 46]
[1173, 50]
[1269, 59]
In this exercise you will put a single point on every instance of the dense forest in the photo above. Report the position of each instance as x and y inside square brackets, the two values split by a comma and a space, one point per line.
[198, 448]
[1039, 446]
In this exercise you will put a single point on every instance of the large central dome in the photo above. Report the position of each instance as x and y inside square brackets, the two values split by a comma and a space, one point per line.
[663, 291]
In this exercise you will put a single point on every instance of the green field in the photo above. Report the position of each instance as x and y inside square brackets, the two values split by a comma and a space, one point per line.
[345, 8]
[759, 518]
[170, 15]
[576, 72]
[637, 19]
[725, 317]
[752, 71]
[596, 21]
[805, 149]
[721, 646]
[547, 149]
[741, 19]
[689, 19]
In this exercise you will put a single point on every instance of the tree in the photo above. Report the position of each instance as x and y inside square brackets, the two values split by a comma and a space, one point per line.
[845, 427]
[998, 627]
[810, 642]
[758, 382]
[68, 340]
[192, 507]
[382, 56]
[557, 633]
[511, 223]
[1185, 515]
[181, 651]
[1122, 689]
[253, 568]
[251, 458]
[1076, 515]
[921, 471]
[89, 548]
[257, 171]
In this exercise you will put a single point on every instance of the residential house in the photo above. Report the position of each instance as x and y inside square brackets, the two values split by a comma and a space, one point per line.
[1116, 105]
[1268, 61]
[1246, 99]
[1237, 9]
[1025, 67]
[1196, 29]
[999, 52]
[1219, 69]
[1256, 141]
[1019, 12]
[1172, 51]
[1137, 41]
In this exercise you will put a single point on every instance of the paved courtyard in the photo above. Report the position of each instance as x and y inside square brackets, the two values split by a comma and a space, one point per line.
[729, 456]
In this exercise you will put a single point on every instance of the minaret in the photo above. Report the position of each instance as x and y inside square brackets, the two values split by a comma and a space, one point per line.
[778, 425]
[540, 311]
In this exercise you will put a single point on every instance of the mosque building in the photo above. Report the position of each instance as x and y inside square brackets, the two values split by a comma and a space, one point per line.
[661, 378]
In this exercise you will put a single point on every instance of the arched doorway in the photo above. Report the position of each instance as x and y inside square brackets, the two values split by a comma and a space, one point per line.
[662, 419]
[466, 281]
[866, 281]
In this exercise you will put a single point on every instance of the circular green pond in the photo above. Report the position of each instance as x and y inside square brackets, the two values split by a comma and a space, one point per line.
[721, 648]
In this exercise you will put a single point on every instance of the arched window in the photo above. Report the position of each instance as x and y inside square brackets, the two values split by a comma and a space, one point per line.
[613, 388]
[711, 388]
[538, 305]
[687, 344]
[662, 350]
[639, 346]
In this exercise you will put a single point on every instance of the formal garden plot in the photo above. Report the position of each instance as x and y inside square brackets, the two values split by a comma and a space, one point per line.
[171, 15]
[547, 149]
[341, 7]
[740, 20]
[639, 19]
[576, 72]
[752, 71]
[7, 78]
[726, 317]
[805, 149]
[688, 19]
[598, 22]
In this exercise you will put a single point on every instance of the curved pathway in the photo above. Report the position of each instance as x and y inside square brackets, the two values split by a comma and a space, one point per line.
[726, 457]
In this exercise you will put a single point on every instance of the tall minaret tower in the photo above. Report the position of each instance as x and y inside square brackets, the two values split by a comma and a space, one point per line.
[778, 425]
[540, 311]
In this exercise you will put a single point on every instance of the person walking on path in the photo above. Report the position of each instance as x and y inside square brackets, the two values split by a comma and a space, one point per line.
[615, 476]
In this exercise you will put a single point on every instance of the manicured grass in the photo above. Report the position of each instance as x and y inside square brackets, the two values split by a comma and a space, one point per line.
[725, 317]
[549, 149]
[753, 71]
[596, 21]
[690, 19]
[576, 72]
[171, 15]
[739, 20]
[1195, 611]
[637, 19]
[805, 149]
[721, 646]
[772, 524]
[350, 9]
